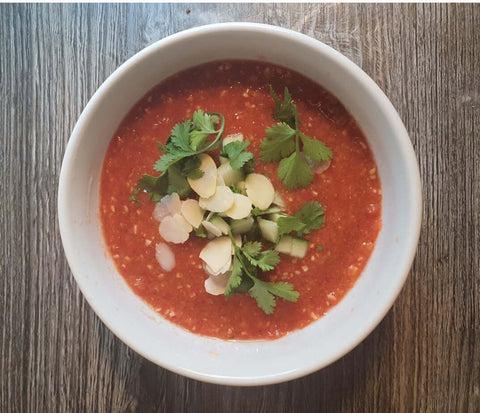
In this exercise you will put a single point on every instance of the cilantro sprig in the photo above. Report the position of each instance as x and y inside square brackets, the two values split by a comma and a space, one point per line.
[247, 261]
[308, 218]
[282, 143]
[180, 160]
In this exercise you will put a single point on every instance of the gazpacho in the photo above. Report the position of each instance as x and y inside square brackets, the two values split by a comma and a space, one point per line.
[240, 200]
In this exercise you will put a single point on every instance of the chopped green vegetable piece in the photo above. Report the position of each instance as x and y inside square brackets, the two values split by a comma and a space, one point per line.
[319, 247]
[299, 247]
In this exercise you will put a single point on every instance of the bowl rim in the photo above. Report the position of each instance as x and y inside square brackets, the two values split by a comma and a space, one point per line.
[393, 118]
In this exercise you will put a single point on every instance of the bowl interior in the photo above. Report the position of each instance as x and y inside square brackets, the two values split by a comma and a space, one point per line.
[229, 362]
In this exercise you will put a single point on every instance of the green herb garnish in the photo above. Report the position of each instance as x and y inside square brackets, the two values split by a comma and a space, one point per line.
[282, 143]
[309, 217]
[247, 260]
[180, 161]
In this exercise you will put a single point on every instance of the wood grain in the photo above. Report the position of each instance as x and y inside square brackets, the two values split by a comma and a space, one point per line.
[56, 355]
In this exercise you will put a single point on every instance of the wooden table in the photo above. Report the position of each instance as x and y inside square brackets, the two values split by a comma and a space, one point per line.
[56, 355]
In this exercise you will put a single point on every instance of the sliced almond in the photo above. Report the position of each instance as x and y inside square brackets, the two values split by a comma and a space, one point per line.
[217, 253]
[212, 229]
[228, 175]
[169, 205]
[175, 229]
[192, 212]
[205, 186]
[165, 256]
[221, 200]
[234, 137]
[278, 200]
[220, 180]
[241, 208]
[260, 190]
[222, 270]
[217, 284]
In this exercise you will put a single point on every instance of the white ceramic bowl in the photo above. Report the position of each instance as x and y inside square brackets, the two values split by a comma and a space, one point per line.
[240, 362]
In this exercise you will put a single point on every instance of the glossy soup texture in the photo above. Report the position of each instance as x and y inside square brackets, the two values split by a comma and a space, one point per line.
[349, 191]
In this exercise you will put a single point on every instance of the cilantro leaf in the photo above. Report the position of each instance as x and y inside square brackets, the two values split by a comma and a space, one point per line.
[203, 126]
[315, 149]
[180, 137]
[289, 224]
[284, 290]
[190, 168]
[177, 182]
[197, 139]
[204, 122]
[312, 215]
[284, 112]
[264, 293]
[294, 171]
[235, 278]
[156, 186]
[252, 248]
[168, 159]
[265, 299]
[235, 151]
[278, 143]
[268, 260]
[308, 218]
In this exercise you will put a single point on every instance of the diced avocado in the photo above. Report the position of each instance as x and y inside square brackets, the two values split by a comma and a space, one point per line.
[230, 176]
[284, 245]
[299, 247]
[220, 223]
[269, 229]
[241, 226]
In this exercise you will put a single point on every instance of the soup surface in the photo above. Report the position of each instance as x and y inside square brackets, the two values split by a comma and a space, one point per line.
[349, 190]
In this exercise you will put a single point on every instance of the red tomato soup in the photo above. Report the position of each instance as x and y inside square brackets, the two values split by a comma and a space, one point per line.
[349, 190]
